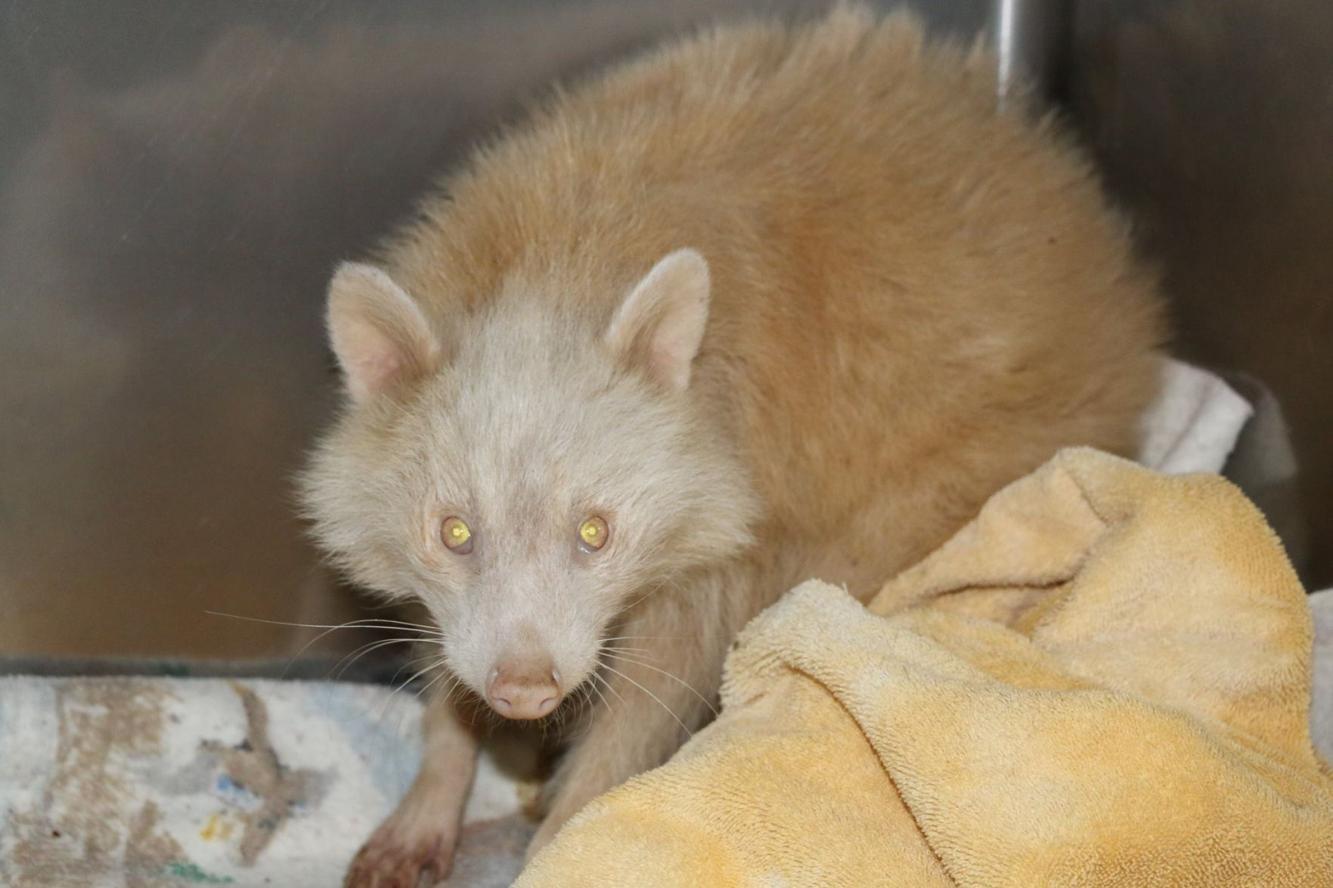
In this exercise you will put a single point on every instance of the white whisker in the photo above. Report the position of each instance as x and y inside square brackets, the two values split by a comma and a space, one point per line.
[368, 623]
[411, 664]
[344, 664]
[656, 699]
[597, 689]
[642, 638]
[609, 686]
[389, 625]
[641, 652]
[677, 679]
[435, 664]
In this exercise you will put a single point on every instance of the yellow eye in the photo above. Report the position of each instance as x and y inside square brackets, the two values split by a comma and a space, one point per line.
[593, 534]
[457, 536]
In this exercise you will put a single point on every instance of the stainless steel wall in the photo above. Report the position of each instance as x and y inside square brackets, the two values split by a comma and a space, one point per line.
[177, 179]
[1213, 123]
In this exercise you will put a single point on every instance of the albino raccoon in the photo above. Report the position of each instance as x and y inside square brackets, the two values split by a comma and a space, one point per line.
[770, 303]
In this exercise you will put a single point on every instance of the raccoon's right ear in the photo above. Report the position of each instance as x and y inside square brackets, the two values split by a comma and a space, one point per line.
[660, 325]
[380, 336]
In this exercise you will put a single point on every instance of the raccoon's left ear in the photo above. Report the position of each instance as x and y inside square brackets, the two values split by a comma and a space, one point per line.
[382, 340]
[660, 325]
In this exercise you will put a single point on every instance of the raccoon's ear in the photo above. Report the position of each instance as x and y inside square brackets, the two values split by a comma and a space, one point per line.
[661, 323]
[380, 336]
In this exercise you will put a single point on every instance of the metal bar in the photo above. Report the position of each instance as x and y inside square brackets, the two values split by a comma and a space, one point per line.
[1029, 38]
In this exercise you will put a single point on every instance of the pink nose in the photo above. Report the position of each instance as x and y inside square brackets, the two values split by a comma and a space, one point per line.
[523, 690]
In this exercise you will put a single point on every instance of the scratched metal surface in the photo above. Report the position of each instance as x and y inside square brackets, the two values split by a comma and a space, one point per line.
[177, 179]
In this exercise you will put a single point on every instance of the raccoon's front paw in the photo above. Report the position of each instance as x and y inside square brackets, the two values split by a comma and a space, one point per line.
[410, 846]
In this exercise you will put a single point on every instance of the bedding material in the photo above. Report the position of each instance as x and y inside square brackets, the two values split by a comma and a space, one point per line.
[1105, 680]
[164, 782]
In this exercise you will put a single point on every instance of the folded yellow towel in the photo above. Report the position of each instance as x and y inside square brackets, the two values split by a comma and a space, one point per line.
[1103, 680]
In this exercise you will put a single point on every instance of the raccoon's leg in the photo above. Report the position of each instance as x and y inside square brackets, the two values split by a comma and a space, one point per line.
[420, 835]
[653, 698]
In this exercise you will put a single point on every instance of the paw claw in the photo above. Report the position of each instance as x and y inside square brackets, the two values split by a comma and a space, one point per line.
[393, 860]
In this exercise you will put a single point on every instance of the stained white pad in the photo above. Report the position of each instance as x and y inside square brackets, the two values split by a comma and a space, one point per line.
[164, 781]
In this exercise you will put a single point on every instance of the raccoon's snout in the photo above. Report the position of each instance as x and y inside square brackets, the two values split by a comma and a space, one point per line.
[524, 688]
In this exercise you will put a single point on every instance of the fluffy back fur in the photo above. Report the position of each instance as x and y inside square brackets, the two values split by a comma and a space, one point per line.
[913, 300]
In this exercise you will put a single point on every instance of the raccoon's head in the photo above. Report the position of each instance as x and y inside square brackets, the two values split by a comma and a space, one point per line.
[527, 472]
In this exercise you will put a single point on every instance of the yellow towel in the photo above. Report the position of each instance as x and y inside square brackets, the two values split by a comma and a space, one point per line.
[1103, 680]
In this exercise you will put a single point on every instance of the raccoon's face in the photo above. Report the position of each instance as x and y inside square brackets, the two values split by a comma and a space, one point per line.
[534, 483]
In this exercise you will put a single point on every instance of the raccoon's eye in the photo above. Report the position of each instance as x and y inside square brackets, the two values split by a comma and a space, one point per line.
[593, 534]
[456, 535]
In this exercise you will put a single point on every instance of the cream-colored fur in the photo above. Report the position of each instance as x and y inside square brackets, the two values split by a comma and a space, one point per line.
[910, 301]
